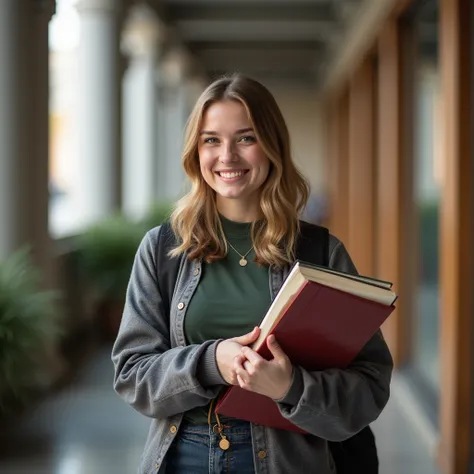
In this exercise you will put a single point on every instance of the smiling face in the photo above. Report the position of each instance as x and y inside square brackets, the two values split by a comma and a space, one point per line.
[232, 161]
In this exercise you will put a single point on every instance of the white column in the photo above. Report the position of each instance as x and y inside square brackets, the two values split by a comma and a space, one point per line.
[175, 110]
[142, 39]
[160, 166]
[24, 131]
[98, 190]
[24, 150]
[177, 116]
[13, 200]
[38, 160]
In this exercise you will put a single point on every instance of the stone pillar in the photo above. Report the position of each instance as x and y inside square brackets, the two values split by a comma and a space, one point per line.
[38, 160]
[142, 39]
[98, 183]
[24, 148]
[160, 140]
[14, 131]
[175, 108]
[24, 134]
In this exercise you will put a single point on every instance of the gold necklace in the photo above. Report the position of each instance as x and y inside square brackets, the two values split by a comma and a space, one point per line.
[243, 261]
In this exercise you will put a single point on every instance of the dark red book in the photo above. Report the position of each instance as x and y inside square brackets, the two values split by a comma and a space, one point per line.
[322, 319]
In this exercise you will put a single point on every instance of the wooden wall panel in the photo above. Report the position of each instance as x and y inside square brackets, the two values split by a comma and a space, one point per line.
[361, 199]
[338, 171]
[332, 164]
[360, 42]
[389, 178]
[456, 263]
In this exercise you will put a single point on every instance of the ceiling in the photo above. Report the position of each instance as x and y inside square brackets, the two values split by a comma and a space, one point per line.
[268, 39]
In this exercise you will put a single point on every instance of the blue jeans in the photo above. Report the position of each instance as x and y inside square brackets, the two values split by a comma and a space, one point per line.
[196, 450]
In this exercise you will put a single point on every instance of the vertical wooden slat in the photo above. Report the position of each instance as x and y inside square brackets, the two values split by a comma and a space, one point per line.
[330, 111]
[361, 42]
[339, 136]
[332, 165]
[361, 199]
[389, 177]
[343, 161]
[456, 269]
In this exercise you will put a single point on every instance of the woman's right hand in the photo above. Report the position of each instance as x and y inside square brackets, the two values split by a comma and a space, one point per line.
[228, 350]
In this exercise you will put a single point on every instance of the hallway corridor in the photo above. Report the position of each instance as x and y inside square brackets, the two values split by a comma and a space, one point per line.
[87, 429]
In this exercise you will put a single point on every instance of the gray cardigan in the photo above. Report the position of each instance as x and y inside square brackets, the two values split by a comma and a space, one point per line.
[162, 377]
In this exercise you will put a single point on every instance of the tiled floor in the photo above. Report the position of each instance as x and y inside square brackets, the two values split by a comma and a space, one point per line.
[401, 450]
[87, 429]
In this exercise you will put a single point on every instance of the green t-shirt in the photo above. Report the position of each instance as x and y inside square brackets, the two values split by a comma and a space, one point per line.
[230, 300]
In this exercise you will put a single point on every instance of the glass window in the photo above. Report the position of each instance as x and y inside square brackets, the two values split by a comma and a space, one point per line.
[426, 193]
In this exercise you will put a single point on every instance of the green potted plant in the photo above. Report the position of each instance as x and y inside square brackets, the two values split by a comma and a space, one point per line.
[105, 253]
[28, 323]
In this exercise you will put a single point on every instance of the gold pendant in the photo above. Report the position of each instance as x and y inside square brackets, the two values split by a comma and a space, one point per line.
[243, 262]
[224, 444]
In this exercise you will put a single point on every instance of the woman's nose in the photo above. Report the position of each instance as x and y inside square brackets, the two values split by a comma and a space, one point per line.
[228, 154]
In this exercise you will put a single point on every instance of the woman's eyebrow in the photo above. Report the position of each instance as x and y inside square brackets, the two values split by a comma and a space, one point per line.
[244, 130]
[237, 132]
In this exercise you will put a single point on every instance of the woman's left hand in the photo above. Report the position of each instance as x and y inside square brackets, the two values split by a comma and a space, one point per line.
[267, 377]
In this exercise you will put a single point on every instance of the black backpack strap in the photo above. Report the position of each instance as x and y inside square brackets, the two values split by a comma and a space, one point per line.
[167, 268]
[313, 244]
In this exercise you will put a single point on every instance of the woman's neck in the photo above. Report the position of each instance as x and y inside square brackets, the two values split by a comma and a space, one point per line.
[238, 213]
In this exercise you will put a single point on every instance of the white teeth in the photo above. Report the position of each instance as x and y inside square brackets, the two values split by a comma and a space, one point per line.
[231, 175]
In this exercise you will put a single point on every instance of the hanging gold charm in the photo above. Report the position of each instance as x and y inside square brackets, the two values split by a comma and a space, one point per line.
[243, 261]
[224, 443]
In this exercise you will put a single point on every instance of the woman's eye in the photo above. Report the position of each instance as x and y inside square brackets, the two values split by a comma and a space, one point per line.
[210, 140]
[248, 139]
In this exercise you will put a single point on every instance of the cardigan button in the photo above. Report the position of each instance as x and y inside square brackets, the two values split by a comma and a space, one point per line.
[180, 305]
[262, 454]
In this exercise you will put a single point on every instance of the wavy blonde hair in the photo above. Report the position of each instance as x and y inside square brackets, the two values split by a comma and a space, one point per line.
[195, 219]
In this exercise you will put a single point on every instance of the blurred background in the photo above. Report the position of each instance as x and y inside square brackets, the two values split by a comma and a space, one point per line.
[94, 96]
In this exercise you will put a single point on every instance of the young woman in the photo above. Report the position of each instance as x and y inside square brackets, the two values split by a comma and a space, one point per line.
[236, 233]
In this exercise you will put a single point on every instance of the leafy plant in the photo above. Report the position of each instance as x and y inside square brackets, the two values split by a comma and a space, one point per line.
[106, 252]
[28, 322]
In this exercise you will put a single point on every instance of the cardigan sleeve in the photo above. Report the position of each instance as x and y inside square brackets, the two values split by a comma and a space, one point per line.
[335, 404]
